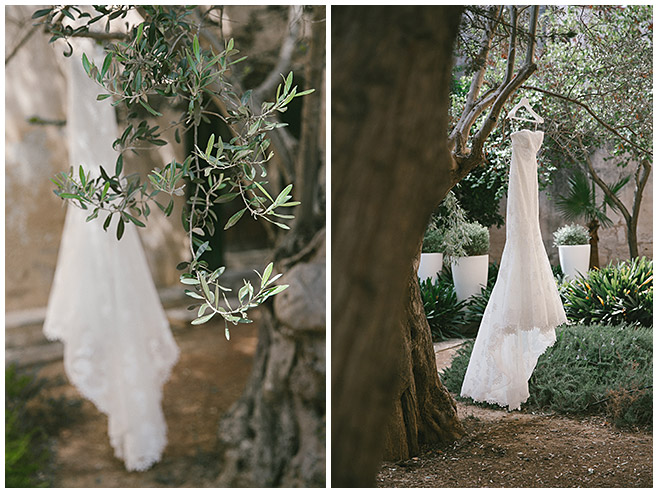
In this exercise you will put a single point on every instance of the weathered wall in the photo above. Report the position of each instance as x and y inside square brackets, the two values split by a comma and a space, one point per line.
[34, 216]
[613, 245]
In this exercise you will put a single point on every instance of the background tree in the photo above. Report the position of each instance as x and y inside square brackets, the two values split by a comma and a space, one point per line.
[276, 431]
[595, 74]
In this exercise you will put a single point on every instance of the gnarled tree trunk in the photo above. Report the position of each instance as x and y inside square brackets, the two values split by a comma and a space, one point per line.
[274, 436]
[391, 165]
[424, 411]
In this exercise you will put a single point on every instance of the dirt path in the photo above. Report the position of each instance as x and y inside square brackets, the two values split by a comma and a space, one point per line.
[209, 376]
[516, 449]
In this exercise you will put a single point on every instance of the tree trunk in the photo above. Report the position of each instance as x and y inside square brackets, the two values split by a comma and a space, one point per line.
[274, 436]
[424, 411]
[309, 145]
[391, 166]
[593, 227]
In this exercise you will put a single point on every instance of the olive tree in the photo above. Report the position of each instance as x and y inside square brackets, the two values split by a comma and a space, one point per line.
[178, 55]
[595, 79]
[395, 155]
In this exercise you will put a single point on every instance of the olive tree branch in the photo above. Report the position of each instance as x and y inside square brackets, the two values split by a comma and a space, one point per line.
[592, 114]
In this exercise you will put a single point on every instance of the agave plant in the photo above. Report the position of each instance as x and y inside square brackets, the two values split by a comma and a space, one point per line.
[442, 309]
[580, 203]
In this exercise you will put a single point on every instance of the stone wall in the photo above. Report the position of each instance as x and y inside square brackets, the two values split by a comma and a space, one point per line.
[35, 85]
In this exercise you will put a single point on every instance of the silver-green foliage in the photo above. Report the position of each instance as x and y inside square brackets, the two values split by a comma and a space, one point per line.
[163, 58]
[470, 238]
[449, 221]
[571, 234]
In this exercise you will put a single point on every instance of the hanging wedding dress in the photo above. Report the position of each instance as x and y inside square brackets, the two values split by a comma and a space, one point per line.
[118, 348]
[525, 307]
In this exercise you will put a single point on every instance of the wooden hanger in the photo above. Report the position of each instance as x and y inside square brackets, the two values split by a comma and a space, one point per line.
[525, 103]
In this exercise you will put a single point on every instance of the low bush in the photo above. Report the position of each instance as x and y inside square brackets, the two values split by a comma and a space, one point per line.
[599, 369]
[433, 241]
[25, 452]
[571, 234]
[449, 318]
[30, 421]
[615, 294]
[476, 304]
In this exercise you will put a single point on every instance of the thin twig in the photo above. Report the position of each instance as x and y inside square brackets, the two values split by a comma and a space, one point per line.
[101, 36]
[21, 43]
[591, 112]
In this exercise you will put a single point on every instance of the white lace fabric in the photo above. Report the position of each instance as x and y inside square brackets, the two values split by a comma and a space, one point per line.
[118, 347]
[525, 307]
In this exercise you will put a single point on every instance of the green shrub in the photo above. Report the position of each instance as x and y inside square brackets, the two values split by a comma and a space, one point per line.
[432, 241]
[471, 238]
[448, 317]
[30, 421]
[23, 460]
[442, 309]
[25, 454]
[615, 294]
[571, 234]
[453, 376]
[598, 369]
[557, 273]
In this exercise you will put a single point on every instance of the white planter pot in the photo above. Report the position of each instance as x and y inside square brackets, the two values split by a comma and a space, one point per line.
[470, 275]
[574, 260]
[430, 265]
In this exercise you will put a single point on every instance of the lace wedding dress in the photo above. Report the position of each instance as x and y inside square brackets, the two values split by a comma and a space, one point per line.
[525, 307]
[118, 348]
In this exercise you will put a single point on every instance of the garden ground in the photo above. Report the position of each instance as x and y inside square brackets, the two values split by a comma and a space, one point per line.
[501, 449]
[210, 376]
[518, 449]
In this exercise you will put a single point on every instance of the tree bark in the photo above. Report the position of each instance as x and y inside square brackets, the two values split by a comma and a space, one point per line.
[309, 143]
[391, 166]
[274, 436]
[424, 411]
[593, 227]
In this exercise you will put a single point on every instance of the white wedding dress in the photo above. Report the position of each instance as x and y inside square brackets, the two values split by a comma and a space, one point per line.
[118, 348]
[525, 307]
